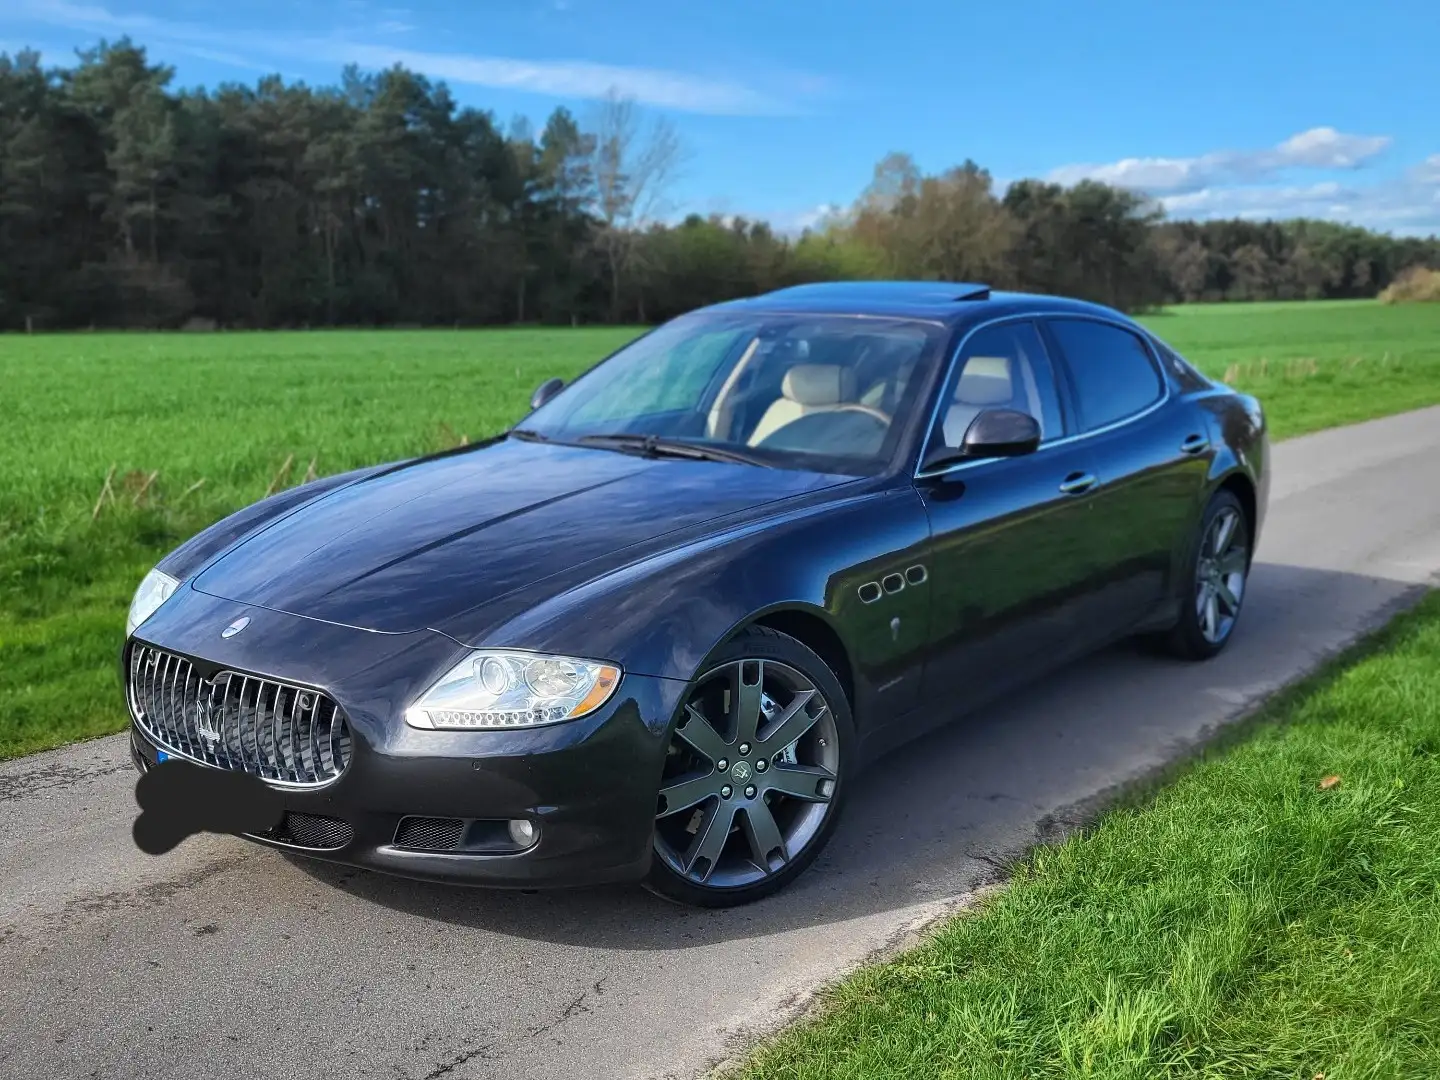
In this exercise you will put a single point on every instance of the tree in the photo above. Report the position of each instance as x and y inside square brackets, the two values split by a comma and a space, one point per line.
[633, 166]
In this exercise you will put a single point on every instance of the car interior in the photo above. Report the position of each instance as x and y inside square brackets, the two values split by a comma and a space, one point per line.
[824, 394]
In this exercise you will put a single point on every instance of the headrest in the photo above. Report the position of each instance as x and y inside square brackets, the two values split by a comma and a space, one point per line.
[985, 381]
[812, 384]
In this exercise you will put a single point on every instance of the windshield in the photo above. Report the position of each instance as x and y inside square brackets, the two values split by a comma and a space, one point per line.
[826, 392]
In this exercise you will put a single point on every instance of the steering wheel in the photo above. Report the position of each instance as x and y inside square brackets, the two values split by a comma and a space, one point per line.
[868, 410]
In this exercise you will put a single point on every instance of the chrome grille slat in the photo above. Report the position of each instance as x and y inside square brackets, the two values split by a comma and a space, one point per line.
[170, 701]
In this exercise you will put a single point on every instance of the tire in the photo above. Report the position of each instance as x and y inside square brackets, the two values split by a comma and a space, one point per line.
[1213, 580]
[791, 793]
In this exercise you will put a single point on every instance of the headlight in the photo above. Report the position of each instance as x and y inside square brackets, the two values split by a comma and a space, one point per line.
[490, 689]
[154, 590]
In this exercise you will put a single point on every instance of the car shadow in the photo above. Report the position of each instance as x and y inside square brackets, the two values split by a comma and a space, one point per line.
[946, 813]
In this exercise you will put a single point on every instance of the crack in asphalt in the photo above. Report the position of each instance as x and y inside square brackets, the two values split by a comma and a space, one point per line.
[484, 1051]
[22, 785]
[152, 895]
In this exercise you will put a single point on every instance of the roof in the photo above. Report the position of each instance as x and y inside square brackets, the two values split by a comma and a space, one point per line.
[947, 301]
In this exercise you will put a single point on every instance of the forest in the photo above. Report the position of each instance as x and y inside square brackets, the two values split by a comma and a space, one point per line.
[127, 202]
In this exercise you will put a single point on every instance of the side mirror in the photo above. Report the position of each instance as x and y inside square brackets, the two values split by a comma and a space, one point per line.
[1001, 433]
[545, 391]
[993, 433]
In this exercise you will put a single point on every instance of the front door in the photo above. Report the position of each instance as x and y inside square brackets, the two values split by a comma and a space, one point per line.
[1014, 556]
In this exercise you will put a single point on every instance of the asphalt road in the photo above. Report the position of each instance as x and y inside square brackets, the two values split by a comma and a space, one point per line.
[223, 959]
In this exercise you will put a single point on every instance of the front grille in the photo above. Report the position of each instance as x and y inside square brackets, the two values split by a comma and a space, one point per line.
[311, 831]
[429, 833]
[288, 735]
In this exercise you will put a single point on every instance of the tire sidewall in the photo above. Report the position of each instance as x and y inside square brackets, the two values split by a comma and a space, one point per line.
[1192, 639]
[762, 643]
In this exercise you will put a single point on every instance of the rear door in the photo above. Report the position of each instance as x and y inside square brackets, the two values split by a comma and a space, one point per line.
[1012, 563]
[1152, 464]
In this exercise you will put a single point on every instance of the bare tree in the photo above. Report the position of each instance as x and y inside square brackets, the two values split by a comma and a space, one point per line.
[634, 165]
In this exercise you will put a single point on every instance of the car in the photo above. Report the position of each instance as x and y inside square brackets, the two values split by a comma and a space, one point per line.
[654, 631]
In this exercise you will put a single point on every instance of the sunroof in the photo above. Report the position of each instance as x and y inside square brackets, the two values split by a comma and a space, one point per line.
[935, 292]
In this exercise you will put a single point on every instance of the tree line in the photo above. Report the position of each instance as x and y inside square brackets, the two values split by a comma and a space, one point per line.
[125, 202]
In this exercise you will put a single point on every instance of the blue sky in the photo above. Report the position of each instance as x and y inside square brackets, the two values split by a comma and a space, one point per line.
[1249, 107]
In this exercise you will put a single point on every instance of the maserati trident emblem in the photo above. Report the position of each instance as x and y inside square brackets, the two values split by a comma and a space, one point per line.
[203, 717]
[235, 627]
[740, 771]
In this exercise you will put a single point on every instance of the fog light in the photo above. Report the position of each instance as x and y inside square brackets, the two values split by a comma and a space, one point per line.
[523, 832]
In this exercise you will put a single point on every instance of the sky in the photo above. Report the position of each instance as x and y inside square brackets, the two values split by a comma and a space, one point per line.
[1254, 108]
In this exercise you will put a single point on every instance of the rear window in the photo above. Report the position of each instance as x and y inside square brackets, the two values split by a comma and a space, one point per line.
[1110, 368]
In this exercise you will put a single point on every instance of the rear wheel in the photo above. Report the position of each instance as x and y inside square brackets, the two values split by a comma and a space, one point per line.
[754, 775]
[1219, 574]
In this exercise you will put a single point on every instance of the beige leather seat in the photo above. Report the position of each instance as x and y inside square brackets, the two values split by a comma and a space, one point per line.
[806, 389]
[984, 384]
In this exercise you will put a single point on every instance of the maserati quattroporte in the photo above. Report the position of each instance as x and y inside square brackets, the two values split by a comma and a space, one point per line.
[653, 631]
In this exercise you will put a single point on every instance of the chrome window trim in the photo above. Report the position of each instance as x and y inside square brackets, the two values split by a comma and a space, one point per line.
[1035, 316]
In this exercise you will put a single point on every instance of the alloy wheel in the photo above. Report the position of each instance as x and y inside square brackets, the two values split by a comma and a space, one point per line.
[1220, 575]
[749, 777]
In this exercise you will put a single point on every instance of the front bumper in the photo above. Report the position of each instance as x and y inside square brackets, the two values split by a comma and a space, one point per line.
[588, 784]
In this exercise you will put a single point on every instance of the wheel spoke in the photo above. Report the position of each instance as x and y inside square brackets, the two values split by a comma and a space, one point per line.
[745, 699]
[1234, 561]
[710, 840]
[1226, 597]
[1212, 615]
[1224, 531]
[793, 722]
[1202, 598]
[799, 781]
[763, 834]
[687, 793]
[701, 734]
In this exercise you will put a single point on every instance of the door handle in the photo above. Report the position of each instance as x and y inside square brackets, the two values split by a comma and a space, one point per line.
[1195, 444]
[1077, 483]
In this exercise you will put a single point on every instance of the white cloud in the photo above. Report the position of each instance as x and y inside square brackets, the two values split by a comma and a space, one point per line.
[564, 78]
[1410, 204]
[1318, 148]
[554, 78]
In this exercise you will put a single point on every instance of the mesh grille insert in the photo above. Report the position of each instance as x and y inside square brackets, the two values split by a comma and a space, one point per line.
[311, 831]
[429, 833]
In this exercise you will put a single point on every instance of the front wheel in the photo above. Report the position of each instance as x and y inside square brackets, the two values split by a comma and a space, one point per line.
[1219, 573]
[754, 775]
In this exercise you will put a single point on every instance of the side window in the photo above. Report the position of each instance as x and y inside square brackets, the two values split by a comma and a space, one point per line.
[1186, 377]
[1112, 371]
[1002, 367]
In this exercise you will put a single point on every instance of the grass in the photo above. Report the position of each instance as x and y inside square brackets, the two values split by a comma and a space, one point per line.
[1315, 365]
[1274, 912]
[198, 425]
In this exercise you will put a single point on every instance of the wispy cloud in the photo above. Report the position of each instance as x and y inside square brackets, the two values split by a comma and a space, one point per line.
[1407, 204]
[1318, 148]
[564, 78]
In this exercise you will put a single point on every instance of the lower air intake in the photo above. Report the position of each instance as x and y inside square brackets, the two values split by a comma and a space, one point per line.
[429, 833]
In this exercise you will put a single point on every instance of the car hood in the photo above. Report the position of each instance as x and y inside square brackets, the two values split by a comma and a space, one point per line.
[421, 545]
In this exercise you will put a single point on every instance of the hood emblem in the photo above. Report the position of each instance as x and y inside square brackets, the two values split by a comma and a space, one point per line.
[235, 627]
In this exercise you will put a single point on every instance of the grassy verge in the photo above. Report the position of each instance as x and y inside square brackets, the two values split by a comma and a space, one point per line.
[1316, 364]
[1257, 917]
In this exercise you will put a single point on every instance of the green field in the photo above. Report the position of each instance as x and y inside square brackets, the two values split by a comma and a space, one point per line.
[1271, 913]
[196, 425]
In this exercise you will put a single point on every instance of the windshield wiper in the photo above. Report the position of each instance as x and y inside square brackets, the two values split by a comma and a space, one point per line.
[527, 435]
[656, 446]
